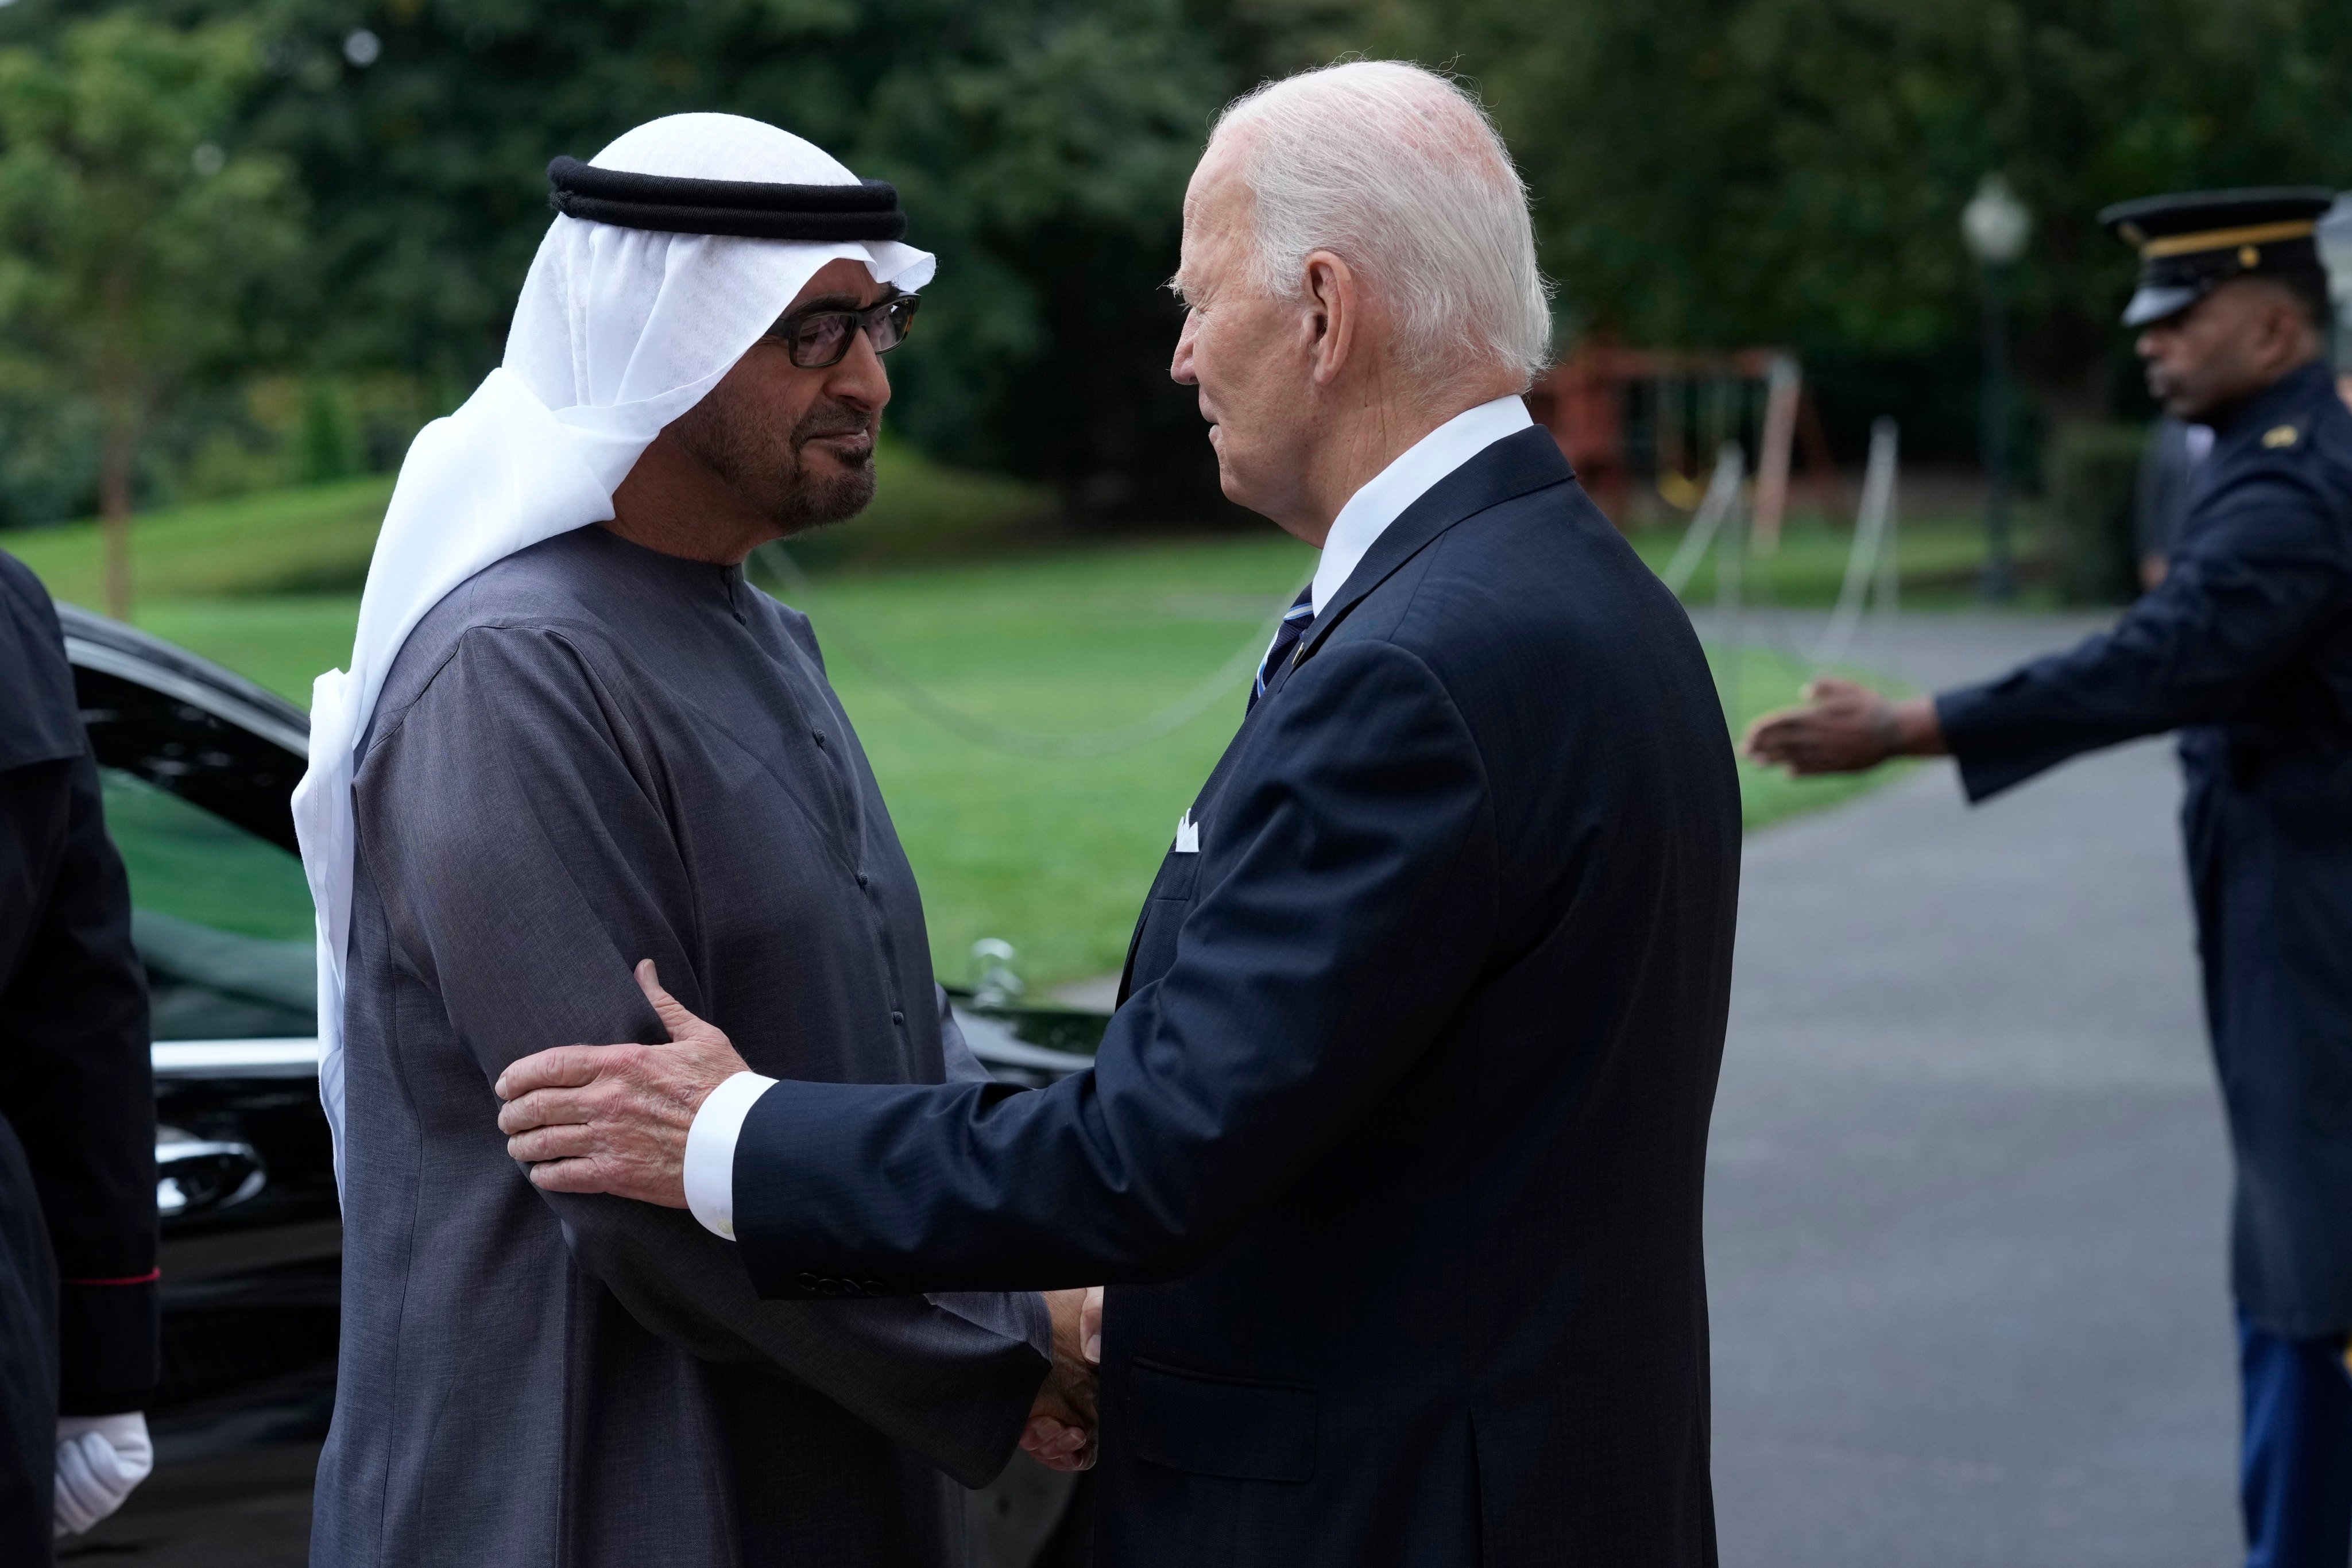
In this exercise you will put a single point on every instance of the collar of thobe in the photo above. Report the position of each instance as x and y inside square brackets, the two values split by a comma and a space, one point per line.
[622, 326]
[1385, 497]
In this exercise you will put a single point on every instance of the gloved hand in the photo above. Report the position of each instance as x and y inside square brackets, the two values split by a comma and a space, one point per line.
[99, 1459]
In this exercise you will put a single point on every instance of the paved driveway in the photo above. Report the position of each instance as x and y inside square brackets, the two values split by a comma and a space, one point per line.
[1968, 1183]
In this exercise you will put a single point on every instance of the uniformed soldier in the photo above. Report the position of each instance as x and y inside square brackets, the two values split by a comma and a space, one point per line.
[2245, 647]
[77, 1297]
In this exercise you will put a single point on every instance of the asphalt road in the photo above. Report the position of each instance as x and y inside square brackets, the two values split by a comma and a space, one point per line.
[1967, 1181]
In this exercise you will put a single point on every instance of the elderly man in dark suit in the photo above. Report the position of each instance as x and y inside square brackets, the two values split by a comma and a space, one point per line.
[1392, 1155]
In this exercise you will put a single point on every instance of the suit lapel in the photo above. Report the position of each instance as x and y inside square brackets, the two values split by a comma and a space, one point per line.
[1511, 467]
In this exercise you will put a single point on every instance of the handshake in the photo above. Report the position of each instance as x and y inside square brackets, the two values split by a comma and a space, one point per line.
[1063, 1423]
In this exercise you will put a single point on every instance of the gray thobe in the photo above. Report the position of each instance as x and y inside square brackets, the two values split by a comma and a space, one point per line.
[588, 754]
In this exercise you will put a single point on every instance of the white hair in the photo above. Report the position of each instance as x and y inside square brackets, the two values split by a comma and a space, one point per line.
[1399, 172]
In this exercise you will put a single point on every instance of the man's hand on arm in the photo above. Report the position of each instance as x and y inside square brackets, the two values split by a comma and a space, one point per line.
[614, 1118]
[1845, 727]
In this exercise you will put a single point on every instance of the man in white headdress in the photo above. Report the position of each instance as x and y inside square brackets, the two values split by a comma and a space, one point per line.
[570, 728]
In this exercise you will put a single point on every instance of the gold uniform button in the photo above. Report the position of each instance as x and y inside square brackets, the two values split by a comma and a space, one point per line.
[2248, 257]
[2280, 435]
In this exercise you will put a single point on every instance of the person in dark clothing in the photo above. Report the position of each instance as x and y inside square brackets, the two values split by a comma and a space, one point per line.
[77, 1298]
[2245, 648]
[2167, 468]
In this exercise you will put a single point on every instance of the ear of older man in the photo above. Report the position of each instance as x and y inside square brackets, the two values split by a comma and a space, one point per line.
[1310, 392]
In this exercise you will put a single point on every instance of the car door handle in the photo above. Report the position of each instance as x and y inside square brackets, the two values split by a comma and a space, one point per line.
[195, 1176]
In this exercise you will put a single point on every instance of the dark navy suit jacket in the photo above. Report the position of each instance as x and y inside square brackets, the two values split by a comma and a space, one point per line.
[2246, 647]
[1393, 1152]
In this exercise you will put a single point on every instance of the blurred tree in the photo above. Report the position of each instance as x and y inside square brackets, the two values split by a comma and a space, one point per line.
[1723, 172]
[1042, 147]
[134, 239]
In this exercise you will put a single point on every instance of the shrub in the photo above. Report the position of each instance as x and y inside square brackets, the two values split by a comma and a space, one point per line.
[2093, 473]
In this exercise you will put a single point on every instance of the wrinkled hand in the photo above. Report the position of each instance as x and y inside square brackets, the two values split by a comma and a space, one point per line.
[1064, 1422]
[613, 1118]
[99, 1459]
[1845, 729]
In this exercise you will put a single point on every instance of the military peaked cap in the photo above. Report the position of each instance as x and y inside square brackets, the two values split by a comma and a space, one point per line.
[2190, 244]
[750, 209]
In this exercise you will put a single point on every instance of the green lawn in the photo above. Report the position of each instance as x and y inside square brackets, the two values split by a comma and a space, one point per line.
[1940, 558]
[1051, 853]
[316, 540]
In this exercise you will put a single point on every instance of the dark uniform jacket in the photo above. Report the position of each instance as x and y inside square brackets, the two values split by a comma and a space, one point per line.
[1393, 1152]
[77, 1100]
[2246, 648]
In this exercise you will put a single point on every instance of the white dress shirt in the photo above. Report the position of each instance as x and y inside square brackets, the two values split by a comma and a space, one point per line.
[1415, 471]
[710, 1142]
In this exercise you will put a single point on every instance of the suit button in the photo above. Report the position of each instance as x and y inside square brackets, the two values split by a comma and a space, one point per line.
[817, 735]
[863, 879]
[808, 1282]
[898, 1018]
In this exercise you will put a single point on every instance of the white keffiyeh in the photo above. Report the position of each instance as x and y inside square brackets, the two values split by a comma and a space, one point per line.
[619, 331]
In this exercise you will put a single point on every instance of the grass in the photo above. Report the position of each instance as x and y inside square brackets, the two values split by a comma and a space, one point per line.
[286, 542]
[1940, 559]
[316, 540]
[1052, 854]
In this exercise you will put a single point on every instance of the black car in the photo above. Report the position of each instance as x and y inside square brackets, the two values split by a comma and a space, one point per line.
[199, 768]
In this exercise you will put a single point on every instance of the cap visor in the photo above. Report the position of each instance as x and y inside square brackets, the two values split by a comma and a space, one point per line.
[2155, 304]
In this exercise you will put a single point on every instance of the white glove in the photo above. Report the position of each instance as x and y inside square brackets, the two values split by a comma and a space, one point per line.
[99, 1459]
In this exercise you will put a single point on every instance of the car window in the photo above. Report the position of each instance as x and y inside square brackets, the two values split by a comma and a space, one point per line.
[221, 916]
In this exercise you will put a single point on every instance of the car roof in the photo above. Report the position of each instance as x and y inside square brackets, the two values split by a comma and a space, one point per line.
[95, 643]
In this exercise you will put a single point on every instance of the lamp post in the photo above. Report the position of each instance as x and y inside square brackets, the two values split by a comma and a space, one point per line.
[1996, 226]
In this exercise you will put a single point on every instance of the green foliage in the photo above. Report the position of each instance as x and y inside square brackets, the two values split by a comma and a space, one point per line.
[137, 244]
[1726, 172]
[2093, 544]
[1705, 172]
[1042, 147]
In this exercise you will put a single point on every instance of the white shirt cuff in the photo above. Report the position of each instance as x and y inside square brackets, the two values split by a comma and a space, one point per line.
[711, 1151]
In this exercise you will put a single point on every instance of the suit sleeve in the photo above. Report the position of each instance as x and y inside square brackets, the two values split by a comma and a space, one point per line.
[532, 866]
[2263, 569]
[75, 1079]
[1353, 908]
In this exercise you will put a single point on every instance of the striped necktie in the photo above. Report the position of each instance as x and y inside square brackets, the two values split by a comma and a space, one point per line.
[1286, 637]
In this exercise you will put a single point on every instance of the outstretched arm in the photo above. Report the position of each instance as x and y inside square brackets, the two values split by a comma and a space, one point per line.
[2263, 569]
[1846, 728]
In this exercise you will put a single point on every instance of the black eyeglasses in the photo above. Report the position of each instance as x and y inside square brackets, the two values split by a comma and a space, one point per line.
[819, 339]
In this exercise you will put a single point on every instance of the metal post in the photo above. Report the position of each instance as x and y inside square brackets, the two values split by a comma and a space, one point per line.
[1999, 579]
[1730, 608]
